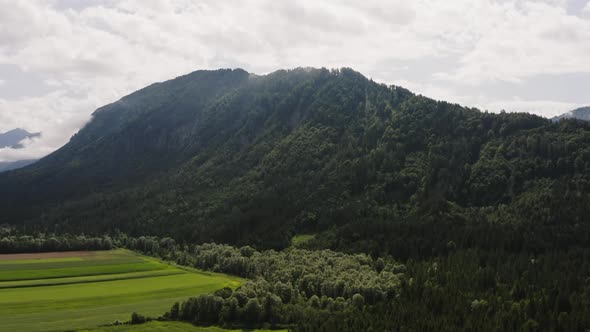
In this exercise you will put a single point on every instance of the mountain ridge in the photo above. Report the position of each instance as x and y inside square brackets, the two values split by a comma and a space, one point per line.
[232, 157]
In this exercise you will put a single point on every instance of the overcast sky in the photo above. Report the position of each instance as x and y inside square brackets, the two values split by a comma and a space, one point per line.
[62, 59]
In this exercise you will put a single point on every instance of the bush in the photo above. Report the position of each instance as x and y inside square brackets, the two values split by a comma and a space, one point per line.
[137, 318]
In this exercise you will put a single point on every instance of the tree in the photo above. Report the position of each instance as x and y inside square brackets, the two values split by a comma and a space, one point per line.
[174, 310]
[314, 302]
[252, 311]
[358, 301]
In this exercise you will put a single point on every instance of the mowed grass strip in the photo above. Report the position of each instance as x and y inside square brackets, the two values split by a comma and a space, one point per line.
[85, 279]
[62, 263]
[168, 327]
[80, 271]
[47, 255]
[8, 262]
[91, 300]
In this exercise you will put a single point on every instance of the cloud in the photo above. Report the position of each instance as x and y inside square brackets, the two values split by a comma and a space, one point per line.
[87, 54]
[56, 116]
[586, 8]
[524, 44]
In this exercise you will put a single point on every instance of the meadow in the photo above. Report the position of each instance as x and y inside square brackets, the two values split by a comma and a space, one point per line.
[82, 290]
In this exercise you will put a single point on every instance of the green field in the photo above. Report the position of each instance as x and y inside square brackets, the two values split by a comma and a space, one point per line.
[299, 240]
[167, 327]
[70, 293]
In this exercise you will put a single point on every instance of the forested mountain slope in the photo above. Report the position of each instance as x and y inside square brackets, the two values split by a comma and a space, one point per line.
[233, 157]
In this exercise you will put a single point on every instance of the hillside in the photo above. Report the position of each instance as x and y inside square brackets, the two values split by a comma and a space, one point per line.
[233, 157]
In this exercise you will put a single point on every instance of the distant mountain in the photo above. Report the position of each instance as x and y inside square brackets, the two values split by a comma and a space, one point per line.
[582, 113]
[251, 160]
[12, 138]
[11, 165]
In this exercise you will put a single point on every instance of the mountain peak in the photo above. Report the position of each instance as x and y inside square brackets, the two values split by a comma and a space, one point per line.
[17, 131]
[12, 138]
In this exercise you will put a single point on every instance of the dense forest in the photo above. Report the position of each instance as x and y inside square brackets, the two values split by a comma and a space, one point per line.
[421, 215]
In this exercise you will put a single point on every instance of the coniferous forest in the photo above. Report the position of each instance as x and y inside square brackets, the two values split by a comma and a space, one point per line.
[420, 215]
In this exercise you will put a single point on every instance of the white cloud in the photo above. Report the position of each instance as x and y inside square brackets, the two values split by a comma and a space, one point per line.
[586, 8]
[99, 51]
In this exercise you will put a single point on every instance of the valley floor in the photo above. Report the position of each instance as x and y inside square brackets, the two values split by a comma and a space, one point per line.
[85, 290]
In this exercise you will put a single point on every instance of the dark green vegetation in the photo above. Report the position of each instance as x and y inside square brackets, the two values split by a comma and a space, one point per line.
[487, 213]
[328, 291]
[54, 292]
[10, 244]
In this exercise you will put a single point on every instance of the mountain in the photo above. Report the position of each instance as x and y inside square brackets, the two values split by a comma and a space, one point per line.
[12, 138]
[582, 113]
[11, 165]
[233, 157]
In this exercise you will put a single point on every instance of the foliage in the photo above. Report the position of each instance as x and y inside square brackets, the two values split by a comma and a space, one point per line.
[41, 243]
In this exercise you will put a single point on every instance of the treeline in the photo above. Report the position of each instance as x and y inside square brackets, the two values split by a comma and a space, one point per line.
[44, 243]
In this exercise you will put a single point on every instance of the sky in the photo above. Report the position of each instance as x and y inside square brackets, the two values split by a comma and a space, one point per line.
[62, 59]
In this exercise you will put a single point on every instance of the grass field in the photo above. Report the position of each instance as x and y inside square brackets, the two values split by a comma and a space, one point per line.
[167, 327]
[299, 240]
[85, 290]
